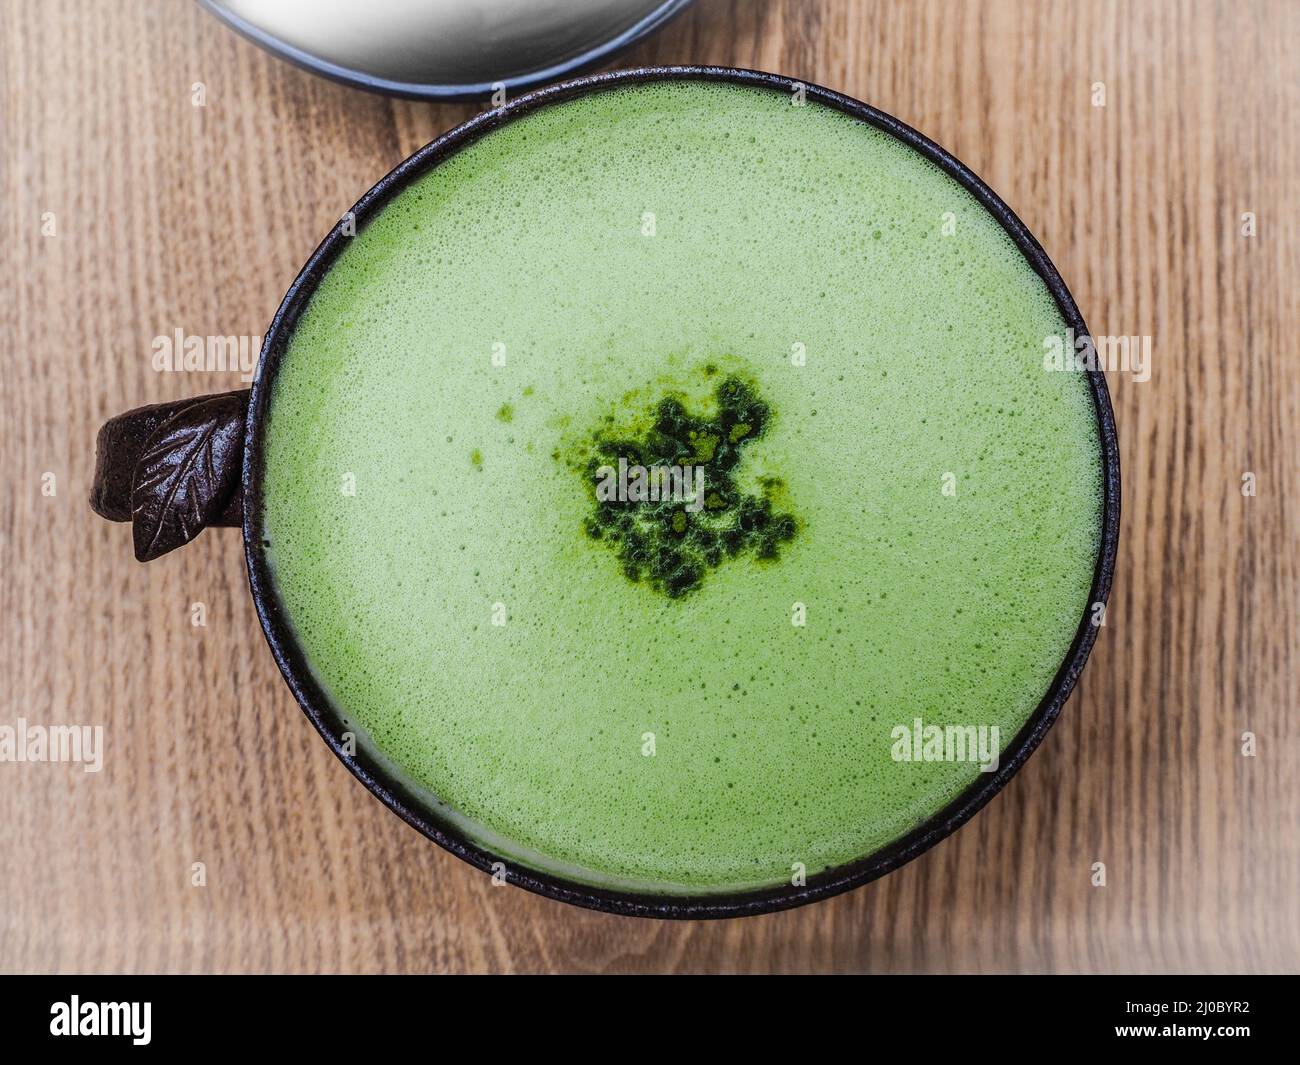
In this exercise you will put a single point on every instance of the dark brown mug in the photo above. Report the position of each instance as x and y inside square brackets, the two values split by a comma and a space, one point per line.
[175, 468]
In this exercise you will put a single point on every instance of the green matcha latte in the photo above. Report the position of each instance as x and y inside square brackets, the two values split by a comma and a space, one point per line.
[901, 511]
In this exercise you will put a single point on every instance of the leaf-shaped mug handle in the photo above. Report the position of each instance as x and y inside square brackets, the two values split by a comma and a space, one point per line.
[172, 469]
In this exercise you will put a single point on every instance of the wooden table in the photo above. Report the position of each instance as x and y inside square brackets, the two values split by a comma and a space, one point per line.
[168, 215]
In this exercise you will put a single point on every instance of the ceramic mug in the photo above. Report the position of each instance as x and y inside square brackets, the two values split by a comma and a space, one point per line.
[226, 431]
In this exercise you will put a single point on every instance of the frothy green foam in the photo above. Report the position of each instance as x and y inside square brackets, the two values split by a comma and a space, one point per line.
[428, 527]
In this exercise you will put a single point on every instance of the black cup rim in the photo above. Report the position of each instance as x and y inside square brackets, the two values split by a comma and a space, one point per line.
[603, 52]
[396, 796]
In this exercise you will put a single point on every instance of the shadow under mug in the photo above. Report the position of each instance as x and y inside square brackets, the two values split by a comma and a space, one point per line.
[143, 444]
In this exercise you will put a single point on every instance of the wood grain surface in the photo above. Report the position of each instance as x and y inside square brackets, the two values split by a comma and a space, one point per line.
[167, 215]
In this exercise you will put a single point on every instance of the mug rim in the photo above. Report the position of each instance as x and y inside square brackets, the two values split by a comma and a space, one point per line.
[448, 92]
[400, 799]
